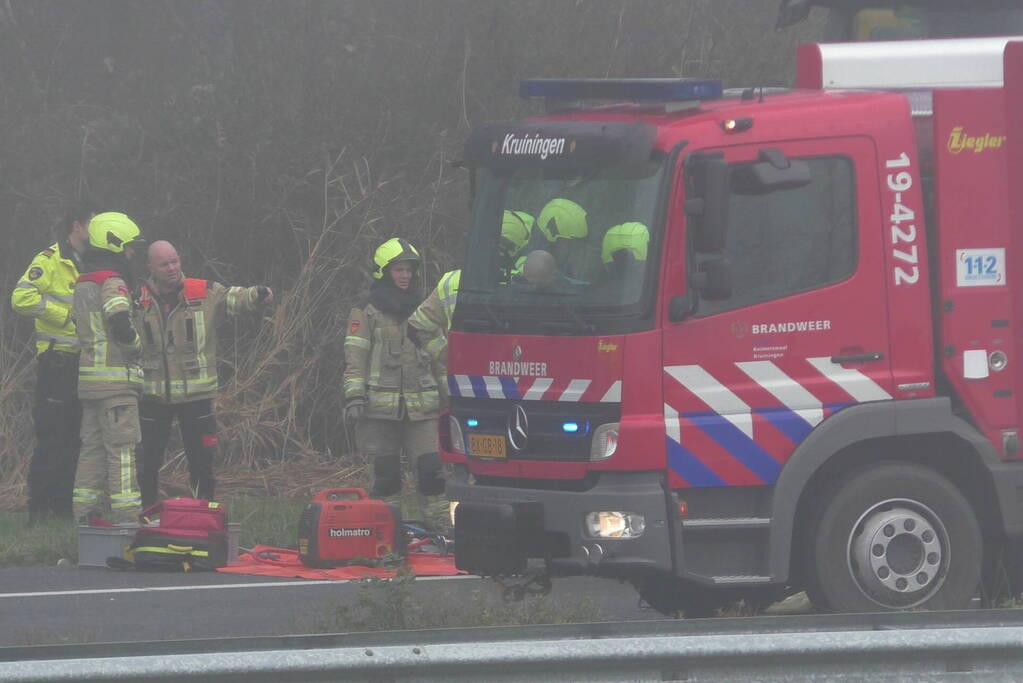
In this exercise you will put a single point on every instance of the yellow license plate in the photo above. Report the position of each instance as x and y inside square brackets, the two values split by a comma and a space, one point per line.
[486, 446]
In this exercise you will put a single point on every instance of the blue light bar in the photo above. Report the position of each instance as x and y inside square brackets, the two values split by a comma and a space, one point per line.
[570, 427]
[656, 89]
[472, 422]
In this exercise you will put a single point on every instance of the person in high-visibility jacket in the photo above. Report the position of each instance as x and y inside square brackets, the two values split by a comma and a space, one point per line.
[44, 293]
[390, 384]
[177, 318]
[109, 375]
[431, 321]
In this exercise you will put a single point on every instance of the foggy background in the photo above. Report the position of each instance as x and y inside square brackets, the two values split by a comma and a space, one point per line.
[279, 142]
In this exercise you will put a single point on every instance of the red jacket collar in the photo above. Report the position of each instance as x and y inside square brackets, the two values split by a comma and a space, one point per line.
[98, 276]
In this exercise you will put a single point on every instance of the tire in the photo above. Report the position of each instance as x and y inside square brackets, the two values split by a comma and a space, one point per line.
[895, 536]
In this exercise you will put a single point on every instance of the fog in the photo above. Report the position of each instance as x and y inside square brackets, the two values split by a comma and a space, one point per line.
[279, 142]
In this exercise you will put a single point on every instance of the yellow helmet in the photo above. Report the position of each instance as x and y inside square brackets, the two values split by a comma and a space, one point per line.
[633, 237]
[393, 250]
[112, 231]
[515, 229]
[562, 219]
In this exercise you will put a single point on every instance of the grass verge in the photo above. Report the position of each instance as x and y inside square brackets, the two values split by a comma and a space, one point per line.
[394, 605]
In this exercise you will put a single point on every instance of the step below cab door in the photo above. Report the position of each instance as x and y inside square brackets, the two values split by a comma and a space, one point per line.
[802, 334]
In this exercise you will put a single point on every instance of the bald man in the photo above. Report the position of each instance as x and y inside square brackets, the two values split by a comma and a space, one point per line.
[178, 319]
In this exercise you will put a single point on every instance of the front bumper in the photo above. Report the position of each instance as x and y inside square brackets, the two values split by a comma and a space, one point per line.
[498, 529]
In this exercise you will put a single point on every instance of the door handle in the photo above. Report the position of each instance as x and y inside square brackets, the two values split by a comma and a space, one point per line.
[858, 357]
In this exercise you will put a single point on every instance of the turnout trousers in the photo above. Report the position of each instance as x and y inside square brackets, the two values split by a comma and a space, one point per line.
[57, 415]
[383, 442]
[198, 427]
[105, 481]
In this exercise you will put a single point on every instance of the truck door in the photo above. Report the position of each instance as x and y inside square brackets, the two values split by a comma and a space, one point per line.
[803, 333]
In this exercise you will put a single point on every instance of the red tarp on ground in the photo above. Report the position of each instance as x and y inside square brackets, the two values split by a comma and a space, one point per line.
[265, 560]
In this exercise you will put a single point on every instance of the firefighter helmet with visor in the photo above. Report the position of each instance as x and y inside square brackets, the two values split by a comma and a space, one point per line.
[631, 237]
[113, 231]
[562, 219]
[515, 229]
[392, 251]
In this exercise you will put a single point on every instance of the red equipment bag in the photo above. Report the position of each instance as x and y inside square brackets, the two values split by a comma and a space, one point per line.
[346, 526]
[181, 534]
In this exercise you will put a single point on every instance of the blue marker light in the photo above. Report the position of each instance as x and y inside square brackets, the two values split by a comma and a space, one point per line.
[472, 422]
[570, 427]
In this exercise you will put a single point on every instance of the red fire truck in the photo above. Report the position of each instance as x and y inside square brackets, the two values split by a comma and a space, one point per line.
[805, 372]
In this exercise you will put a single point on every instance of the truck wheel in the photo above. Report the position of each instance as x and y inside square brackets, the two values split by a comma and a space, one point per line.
[671, 597]
[896, 536]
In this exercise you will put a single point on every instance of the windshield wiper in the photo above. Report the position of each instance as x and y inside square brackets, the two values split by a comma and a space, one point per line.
[498, 324]
[575, 322]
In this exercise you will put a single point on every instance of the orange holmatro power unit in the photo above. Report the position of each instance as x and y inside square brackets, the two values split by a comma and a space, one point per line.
[344, 525]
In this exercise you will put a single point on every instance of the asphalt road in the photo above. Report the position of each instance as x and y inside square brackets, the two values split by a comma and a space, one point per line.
[54, 605]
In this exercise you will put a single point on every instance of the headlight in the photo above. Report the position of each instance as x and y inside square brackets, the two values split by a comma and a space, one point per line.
[457, 440]
[605, 441]
[612, 524]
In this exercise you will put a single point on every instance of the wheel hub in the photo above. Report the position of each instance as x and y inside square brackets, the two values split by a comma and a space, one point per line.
[898, 553]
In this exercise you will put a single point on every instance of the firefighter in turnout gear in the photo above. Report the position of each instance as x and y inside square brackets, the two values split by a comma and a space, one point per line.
[44, 293]
[564, 224]
[177, 318]
[109, 376]
[390, 384]
[430, 322]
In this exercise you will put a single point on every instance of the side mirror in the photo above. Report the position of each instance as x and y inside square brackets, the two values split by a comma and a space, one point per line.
[713, 279]
[707, 205]
[773, 172]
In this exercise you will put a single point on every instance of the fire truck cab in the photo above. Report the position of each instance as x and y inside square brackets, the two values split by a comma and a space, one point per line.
[756, 340]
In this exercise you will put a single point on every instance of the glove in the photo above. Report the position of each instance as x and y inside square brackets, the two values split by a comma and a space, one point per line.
[353, 411]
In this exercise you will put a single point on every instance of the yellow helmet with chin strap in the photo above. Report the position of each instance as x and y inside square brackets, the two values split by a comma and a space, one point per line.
[562, 219]
[632, 237]
[112, 231]
[390, 252]
[515, 229]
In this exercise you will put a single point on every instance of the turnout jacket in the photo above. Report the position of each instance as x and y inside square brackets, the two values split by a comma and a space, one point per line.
[45, 292]
[383, 368]
[109, 364]
[179, 339]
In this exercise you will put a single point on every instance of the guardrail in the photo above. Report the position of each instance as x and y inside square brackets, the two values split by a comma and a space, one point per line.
[930, 645]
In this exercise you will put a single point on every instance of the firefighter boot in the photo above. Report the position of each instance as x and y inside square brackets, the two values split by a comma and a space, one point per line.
[386, 475]
[429, 474]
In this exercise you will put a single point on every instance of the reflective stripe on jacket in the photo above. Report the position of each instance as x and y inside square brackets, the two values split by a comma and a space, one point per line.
[179, 347]
[45, 292]
[388, 371]
[107, 367]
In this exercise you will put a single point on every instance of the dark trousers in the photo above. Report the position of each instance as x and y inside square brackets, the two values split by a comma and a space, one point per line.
[198, 429]
[57, 415]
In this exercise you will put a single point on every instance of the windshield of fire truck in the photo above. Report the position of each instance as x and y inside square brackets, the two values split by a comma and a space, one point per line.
[543, 240]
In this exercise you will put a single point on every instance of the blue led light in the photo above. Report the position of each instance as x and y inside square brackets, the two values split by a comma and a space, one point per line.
[570, 427]
[659, 89]
[472, 422]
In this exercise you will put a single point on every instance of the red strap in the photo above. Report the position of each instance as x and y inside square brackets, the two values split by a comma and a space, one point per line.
[98, 276]
[145, 297]
[195, 289]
